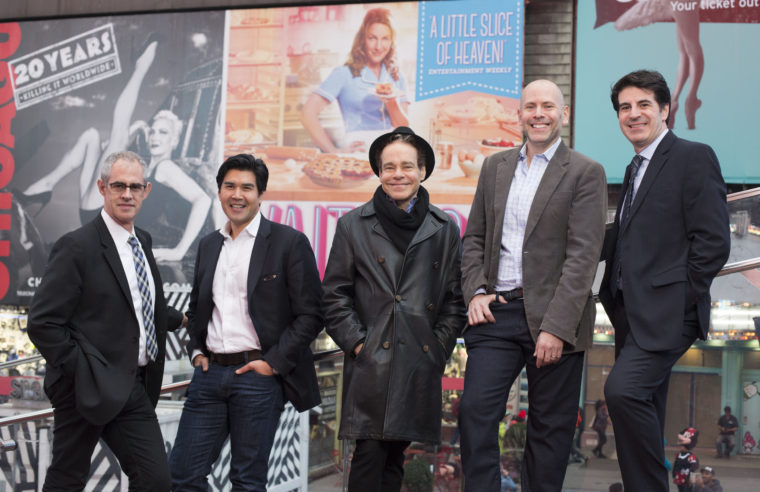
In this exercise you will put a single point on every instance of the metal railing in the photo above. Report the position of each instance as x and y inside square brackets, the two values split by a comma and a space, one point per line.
[17, 362]
[736, 267]
[739, 266]
[11, 445]
[739, 195]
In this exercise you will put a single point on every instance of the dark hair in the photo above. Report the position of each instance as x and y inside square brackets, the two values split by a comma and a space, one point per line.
[599, 404]
[401, 137]
[650, 80]
[244, 162]
[616, 487]
[727, 408]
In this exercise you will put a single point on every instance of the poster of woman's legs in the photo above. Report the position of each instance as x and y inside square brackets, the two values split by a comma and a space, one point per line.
[87, 87]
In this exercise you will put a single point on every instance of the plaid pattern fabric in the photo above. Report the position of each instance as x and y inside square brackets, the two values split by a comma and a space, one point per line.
[521, 192]
[145, 298]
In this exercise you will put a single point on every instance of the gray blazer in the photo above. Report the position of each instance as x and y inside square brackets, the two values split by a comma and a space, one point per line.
[563, 240]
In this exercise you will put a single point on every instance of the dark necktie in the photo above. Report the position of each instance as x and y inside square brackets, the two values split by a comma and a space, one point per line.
[617, 265]
[635, 165]
[147, 301]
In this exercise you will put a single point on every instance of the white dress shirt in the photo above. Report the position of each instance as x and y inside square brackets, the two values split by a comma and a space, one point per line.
[120, 236]
[521, 192]
[231, 329]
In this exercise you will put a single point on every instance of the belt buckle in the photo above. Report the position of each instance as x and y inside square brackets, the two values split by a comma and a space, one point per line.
[511, 295]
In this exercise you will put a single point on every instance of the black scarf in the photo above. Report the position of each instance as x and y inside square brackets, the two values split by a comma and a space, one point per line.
[399, 225]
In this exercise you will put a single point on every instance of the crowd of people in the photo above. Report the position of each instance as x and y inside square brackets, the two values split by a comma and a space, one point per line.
[399, 288]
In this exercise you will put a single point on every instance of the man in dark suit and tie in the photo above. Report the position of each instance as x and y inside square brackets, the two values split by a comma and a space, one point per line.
[254, 309]
[669, 240]
[100, 319]
[529, 257]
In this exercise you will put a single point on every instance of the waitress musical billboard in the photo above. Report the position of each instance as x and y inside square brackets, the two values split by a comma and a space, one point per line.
[305, 88]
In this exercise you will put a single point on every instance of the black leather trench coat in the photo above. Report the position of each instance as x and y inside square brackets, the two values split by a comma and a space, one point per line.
[407, 310]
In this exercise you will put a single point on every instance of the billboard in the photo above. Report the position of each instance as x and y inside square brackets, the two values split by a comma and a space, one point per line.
[704, 49]
[305, 88]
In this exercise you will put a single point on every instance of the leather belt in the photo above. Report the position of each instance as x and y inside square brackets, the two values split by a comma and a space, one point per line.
[236, 358]
[510, 295]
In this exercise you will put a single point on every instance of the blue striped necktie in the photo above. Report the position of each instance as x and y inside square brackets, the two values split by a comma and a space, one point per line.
[147, 301]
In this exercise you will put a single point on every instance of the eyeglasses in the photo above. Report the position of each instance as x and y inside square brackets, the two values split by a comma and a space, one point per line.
[119, 187]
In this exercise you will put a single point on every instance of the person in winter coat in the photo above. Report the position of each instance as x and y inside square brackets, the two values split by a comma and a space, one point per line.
[393, 303]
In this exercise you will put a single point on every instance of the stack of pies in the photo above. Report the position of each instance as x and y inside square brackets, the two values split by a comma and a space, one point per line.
[338, 171]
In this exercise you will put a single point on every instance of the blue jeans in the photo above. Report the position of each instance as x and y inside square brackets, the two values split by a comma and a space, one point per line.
[246, 407]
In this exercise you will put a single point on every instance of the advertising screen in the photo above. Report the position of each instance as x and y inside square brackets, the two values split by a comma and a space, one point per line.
[307, 89]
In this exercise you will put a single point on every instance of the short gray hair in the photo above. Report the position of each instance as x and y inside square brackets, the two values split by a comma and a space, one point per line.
[127, 155]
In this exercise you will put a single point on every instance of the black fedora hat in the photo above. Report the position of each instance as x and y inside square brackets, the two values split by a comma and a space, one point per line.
[423, 148]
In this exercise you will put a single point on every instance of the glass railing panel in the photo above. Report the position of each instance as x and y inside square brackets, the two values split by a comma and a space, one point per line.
[736, 293]
[744, 219]
[736, 304]
[736, 296]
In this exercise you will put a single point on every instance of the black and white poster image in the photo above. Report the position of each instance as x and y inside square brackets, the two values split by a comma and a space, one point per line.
[84, 88]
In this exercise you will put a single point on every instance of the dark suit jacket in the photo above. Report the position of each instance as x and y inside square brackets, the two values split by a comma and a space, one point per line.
[563, 235]
[284, 302]
[83, 322]
[674, 243]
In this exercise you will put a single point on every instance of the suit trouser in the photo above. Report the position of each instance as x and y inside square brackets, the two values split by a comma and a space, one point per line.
[377, 466]
[133, 436]
[497, 352]
[636, 392]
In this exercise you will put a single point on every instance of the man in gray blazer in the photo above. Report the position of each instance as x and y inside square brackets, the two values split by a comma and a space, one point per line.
[530, 253]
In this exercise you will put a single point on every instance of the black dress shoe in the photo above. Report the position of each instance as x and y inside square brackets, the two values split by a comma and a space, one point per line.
[39, 198]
